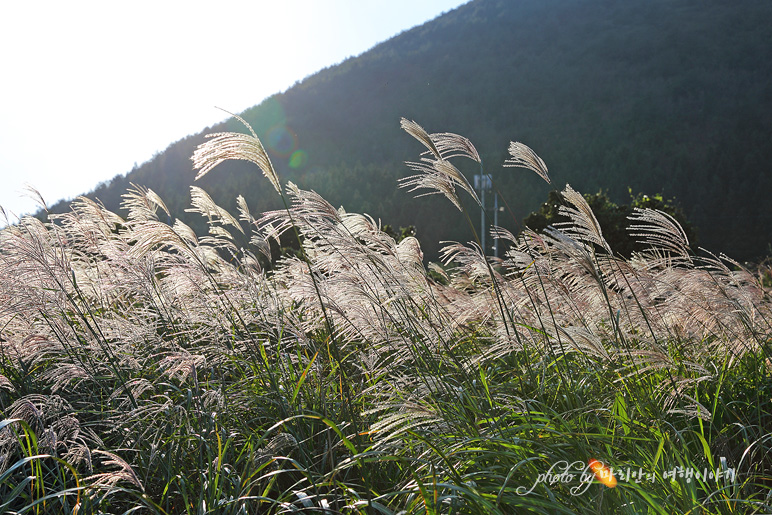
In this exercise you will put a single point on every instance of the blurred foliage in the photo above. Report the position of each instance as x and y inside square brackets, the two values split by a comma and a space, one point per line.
[401, 233]
[613, 218]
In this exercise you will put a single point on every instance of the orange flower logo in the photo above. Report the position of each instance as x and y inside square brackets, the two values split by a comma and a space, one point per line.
[603, 473]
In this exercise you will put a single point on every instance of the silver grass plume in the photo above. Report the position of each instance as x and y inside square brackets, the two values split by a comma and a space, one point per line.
[185, 233]
[470, 258]
[124, 473]
[583, 225]
[409, 251]
[35, 195]
[524, 157]
[142, 203]
[428, 178]
[234, 145]
[421, 135]
[259, 242]
[441, 177]
[584, 341]
[442, 145]
[6, 384]
[205, 205]
[437, 173]
[454, 145]
[243, 208]
[660, 231]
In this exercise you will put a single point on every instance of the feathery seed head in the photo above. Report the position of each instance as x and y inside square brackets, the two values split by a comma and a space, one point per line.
[524, 157]
[223, 146]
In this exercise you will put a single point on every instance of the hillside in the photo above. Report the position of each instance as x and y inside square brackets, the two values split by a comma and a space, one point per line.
[660, 96]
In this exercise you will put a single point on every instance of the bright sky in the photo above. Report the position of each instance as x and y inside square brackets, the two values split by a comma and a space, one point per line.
[89, 88]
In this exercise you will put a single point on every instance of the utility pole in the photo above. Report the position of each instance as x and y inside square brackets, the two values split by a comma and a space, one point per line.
[483, 182]
[496, 221]
[482, 214]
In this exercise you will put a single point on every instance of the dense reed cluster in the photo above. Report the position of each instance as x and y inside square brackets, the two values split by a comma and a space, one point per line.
[148, 369]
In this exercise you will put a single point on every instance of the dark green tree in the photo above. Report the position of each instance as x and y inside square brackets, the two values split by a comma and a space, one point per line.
[613, 218]
[399, 234]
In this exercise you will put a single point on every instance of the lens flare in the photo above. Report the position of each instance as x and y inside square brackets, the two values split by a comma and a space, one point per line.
[298, 159]
[603, 473]
[269, 113]
[282, 140]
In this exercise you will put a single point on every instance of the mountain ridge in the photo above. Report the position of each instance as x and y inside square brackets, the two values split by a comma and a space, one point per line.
[662, 96]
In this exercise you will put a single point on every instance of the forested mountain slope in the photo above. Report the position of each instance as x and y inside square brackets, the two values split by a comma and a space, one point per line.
[669, 96]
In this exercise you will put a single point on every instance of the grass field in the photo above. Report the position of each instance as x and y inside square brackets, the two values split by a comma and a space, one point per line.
[148, 369]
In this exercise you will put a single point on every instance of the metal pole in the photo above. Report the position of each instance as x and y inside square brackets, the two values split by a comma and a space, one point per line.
[496, 221]
[482, 210]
